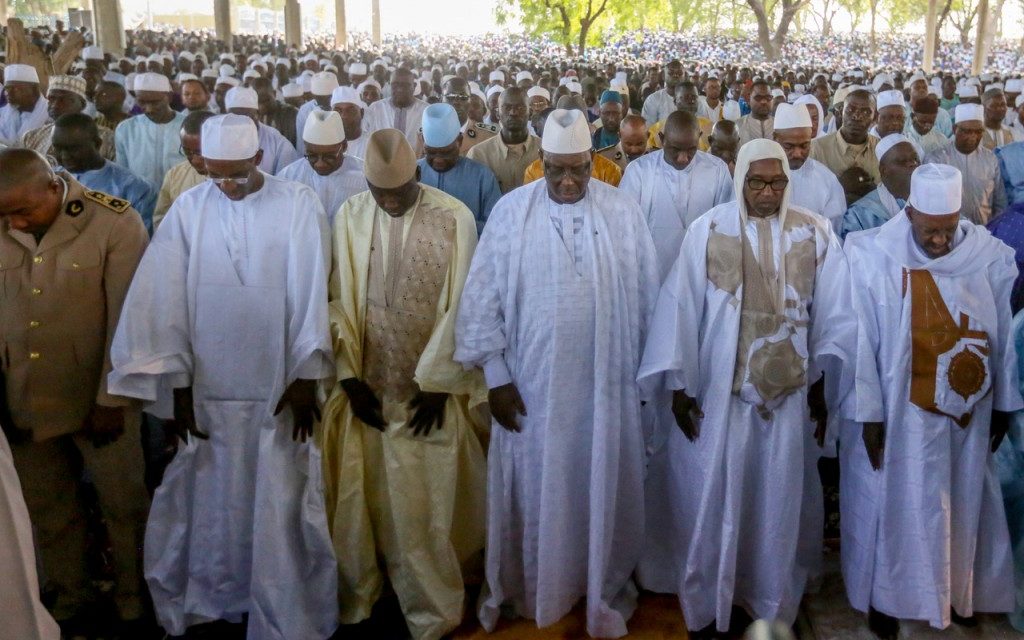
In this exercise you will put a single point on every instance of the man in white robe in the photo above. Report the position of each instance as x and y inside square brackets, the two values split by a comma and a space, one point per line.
[750, 333]
[148, 144]
[321, 86]
[224, 330]
[676, 185]
[813, 187]
[327, 169]
[26, 107]
[401, 111]
[924, 532]
[555, 310]
[277, 152]
[898, 157]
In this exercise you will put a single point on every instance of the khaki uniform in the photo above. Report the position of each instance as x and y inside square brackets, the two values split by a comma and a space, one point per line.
[615, 154]
[509, 163]
[473, 133]
[59, 305]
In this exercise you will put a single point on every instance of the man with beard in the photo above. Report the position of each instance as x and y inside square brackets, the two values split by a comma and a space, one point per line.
[898, 156]
[26, 107]
[921, 126]
[401, 111]
[110, 97]
[509, 153]
[64, 96]
[996, 133]
[147, 144]
[612, 112]
[189, 172]
[759, 122]
[194, 95]
[814, 186]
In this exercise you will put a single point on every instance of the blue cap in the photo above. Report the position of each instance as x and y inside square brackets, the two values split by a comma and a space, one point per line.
[440, 125]
[610, 96]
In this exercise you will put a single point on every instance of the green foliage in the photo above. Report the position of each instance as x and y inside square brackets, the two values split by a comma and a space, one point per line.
[899, 13]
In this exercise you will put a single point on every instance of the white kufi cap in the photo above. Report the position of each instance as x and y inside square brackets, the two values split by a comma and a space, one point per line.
[893, 139]
[152, 82]
[496, 76]
[936, 189]
[323, 83]
[731, 110]
[241, 98]
[968, 112]
[347, 94]
[891, 98]
[968, 91]
[538, 90]
[788, 116]
[291, 90]
[20, 73]
[324, 128]
[229, 137]
[566, 131]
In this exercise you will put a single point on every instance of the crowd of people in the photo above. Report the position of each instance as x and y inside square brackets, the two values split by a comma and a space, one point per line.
[289, 331]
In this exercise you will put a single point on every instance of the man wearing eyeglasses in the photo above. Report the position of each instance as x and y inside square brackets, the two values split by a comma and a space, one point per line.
[189, 172]
[456, 93]
[224, 333]
[751, 323]
[401, 111]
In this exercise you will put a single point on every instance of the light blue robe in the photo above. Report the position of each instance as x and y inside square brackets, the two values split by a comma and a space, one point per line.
[471, 182]
[1009, 461]
[867, 213]
[278, 153]
[1011, 166]
[148, 149]
[121, 183]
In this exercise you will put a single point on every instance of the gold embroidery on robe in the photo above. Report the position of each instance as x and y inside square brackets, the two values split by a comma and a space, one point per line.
[933, 333]
[401, 309]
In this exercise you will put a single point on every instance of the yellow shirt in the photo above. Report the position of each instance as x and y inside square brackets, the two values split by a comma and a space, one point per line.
[602, 168]
[654, 142]
[178, 180]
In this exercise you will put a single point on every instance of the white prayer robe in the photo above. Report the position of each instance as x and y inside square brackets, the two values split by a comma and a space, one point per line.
[745, 517]
[927, 532]
[557, 301]
[278, 153]
[357, 148]
[671, 199]
[23, 615]
[147, 149]
[231, 299]
[657, 106]
[817, 189]
[984, 193]
[381, 115]
[14, 124]
[332, 190]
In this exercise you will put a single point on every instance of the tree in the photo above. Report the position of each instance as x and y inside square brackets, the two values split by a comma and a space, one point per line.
[963, 15]
[573, 23]
[779, 13]
[855, 9]
[824, 15]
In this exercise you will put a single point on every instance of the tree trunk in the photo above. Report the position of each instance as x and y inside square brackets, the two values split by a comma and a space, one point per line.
[943, 15]
[994, 14]
[874, 44]
[584, 29]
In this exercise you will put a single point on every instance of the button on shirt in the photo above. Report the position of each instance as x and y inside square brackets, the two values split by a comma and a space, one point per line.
[838, 155]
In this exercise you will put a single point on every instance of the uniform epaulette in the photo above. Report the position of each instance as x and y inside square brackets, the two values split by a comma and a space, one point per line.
[118, 205]
[492, 128]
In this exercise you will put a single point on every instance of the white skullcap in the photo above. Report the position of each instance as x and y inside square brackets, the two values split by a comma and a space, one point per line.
[291, 90]
[115, 77]
[858, 74]
[347, 94]
[1014, 85]
[187, 55]
[914, 78]
[968, 112]
[369, 82]
[250, 73]
[440, 125]
[241, 98]
[566, 131]
[152, 82]
[879, 80]
[932, 91]
[229, 137]
[973, 81]
[731, 110]
[1018, 101]
[538, 90]
[92, 53]
[357, 69]
[323, 83]
[187, 77]
[778, 93]
[891, 98]
[330, 67]
[306, 82]
[323, 127]
[155, 57]
[493, 90]
[788, 116]
[524, 75]
[936, 189]
[496, 75]
[837, 77]
[968, 91]
[20, 73]
[574, 87]
[226, 70]
[893, 139]
[987, 77]
[228, 80]
[209, 73]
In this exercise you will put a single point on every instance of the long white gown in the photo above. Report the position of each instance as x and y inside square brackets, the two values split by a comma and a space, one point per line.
[231, 298]
[561, 296]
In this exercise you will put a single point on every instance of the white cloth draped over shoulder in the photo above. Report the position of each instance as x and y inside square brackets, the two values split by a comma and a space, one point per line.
[928, 532]
[557, 301]
[231, 299]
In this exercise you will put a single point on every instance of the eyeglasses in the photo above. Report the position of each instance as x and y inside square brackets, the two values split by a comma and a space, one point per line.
[455, 97]
[239, 180]
[326, 157]
[757, 184]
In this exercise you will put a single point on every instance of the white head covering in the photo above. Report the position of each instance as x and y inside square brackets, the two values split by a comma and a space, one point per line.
[968, 112]
[440, 125]
[566, 131]
[229, 137]
[92, 53]
[524, 75]
[323, 127]
[574, 87]
[891, 98]
[763, 149]
[357, 69]
[496, 75]
[228, 80]
[226, 69]
[1019, 100]
[893, 139]
[186, 77]
[789, 116]
[936, 189]
[1014, 85]
[968, 91]
[152, 82]
[323, 83]
[879, 80]
[241, 98]
[493, 90]
[347, 94]
[20, 73]
[809, 99]
[731, 110]
[538, 90]
[208, 73]
[291, 90]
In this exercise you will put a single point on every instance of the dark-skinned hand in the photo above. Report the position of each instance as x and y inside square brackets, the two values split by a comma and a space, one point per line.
[506, 404]
[365, 404]
[301, 396]
[688, 414]
[184, 423]
[856, 183]
[819, 410]
[1000, 425]
[429, 412]
[103, 425]
[874, 441]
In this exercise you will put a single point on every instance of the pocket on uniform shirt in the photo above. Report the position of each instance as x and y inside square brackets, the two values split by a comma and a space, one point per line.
[81, 271]
[10, 274]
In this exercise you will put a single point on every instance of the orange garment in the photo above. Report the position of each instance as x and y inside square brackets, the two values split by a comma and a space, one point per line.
[602, 168]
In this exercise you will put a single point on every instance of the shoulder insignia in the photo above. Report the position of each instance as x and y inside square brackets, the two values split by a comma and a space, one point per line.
[492, 128]
[118, 205]
[618, 155]
[74, 208]
[471, 133]
[607, 149]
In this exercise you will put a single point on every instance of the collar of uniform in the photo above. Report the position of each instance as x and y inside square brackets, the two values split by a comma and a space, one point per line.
[504, 147]
[65, 228]
[858, 149]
